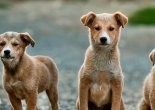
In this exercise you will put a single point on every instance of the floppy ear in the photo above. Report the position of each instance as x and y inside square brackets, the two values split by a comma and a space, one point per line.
[152, 56]
[121, 19]
[26, 38]
[88, 19]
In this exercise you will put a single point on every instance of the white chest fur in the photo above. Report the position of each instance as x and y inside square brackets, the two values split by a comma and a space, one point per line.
[100, 94]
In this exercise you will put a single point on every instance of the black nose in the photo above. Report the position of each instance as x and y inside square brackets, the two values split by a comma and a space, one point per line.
[103, 39]
[6, 52]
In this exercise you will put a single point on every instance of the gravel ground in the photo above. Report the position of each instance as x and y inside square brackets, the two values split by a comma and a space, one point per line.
[59, 34]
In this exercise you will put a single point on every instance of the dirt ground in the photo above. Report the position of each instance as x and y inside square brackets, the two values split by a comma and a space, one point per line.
[59, 34]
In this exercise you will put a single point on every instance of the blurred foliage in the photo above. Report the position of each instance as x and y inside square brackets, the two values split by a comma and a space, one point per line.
[5, 5]
[145, 16]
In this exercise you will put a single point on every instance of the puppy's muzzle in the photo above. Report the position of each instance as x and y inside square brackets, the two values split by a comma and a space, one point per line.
[7, 55]
[103, 40]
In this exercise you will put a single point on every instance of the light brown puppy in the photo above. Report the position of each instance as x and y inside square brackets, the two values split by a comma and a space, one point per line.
[148, 100]
[25, 76]
[100, 77]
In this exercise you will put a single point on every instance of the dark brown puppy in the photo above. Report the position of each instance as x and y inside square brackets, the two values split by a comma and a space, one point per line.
[25, 76]
[100, 77]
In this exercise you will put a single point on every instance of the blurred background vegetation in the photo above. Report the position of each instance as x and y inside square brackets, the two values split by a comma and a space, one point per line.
[145, 16]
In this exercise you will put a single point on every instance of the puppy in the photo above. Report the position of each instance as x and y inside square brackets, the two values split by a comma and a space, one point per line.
[25, 76]
[100, 77]
[148, 100]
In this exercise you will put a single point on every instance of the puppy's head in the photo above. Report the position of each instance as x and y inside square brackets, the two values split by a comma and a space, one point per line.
[13, 44]
[152, 56]
[104, 28]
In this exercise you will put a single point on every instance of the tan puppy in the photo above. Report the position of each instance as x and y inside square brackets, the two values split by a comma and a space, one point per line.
[148, 100]
[100, 77]
[25, 76]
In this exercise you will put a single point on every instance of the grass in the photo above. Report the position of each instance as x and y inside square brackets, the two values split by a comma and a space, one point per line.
[145, 16]
[4, 5]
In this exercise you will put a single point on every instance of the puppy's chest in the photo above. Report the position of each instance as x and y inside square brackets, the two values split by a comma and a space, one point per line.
[15, 87]
[100, 88]
[100, 93]
[103, 64]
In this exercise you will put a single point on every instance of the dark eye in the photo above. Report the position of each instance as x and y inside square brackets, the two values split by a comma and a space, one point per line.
[97, 28]
[15, 44]
[111, 28]
[2, 43]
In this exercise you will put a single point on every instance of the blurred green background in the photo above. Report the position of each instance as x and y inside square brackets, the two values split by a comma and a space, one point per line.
[55, 26]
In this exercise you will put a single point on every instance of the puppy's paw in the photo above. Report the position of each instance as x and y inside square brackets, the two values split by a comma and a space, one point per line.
[152, 56]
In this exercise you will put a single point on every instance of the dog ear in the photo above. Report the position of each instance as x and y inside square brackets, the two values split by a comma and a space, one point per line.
[26, 37]
[121, 19]
[152, 56]
[88, 19]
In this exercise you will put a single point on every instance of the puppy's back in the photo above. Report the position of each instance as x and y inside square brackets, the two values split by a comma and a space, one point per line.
[49, 63]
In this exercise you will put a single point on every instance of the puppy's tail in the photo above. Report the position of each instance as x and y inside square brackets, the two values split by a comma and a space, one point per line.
[143, 106]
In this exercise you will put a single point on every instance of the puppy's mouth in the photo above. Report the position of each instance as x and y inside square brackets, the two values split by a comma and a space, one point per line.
[103, 44]
[7, 57]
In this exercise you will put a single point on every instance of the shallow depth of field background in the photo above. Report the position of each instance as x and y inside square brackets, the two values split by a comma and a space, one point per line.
[55, 26]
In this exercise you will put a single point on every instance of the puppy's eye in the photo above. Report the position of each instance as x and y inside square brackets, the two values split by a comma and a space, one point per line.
[111, 28]
[97, 28]
[15, 44]
[2, 43]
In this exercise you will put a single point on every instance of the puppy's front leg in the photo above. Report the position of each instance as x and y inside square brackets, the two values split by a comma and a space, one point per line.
[122, 107]
[117, 86]
[152, 99]
[83, 94]
[15, 102]
[31, 100]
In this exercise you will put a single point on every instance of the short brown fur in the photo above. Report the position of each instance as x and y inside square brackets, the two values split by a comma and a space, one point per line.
[148, 100]
[100, 77]
[25, 76]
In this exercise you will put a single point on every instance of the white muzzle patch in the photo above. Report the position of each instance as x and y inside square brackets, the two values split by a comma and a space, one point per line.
[104, 38]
